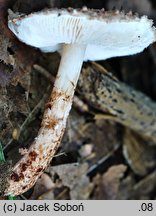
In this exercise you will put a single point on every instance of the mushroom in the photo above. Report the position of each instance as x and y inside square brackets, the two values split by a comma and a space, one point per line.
[79, 35]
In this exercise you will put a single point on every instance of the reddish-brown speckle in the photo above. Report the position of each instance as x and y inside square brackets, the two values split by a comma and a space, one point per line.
[56, 95]
[52, 123]
[14, 177]
[24, 167]
[39, 169]
[48, 105]
[33, 155]
[21, 176]
[23, 188]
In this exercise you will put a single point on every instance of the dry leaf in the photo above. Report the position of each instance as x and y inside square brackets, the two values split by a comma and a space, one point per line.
[108, 184]
[74, 177]
[141, 190]
[43, 185]
[139, 155]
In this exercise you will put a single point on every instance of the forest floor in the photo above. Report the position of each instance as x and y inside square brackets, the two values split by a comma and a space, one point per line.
[99, 157]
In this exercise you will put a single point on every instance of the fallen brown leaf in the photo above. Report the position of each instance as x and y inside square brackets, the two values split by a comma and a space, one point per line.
[43, 185]
[74, 177]
[108, 184]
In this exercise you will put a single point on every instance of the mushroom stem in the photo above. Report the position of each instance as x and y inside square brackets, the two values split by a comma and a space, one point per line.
[70, 67]
[26, 172]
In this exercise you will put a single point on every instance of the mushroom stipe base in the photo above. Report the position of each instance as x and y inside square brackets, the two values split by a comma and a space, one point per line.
[32, 164]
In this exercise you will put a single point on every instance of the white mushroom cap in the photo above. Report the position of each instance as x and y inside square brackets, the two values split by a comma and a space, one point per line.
[105, 34]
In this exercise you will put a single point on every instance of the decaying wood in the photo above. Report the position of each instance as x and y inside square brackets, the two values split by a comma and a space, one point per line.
[125, 105]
